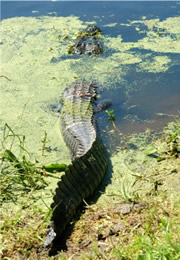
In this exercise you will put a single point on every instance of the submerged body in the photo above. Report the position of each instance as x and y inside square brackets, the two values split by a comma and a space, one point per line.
[89, 157]
[88, 42]
[88, 45]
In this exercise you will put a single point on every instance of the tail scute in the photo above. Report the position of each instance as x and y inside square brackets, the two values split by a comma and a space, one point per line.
[80, 181]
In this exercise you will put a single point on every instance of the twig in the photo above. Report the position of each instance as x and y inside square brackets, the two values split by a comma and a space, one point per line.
[2, 76]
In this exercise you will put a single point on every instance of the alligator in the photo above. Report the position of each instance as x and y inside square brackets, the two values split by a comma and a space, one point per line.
[87, 42]
[89, 156]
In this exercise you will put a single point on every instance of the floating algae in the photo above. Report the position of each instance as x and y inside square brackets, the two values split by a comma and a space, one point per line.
[30, 80]
[162, 37]
[157, 64]
[147, 161]
[28, 46]
[110, 25]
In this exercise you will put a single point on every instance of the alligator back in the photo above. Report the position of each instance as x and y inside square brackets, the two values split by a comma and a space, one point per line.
[77, 119]
[90, 160]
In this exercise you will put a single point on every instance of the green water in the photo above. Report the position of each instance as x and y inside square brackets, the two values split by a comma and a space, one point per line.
[35, 68]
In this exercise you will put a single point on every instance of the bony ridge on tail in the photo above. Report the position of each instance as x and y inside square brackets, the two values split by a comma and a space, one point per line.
[89, 157]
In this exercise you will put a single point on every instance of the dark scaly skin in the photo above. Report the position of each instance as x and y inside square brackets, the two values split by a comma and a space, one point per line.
[88, 42]
[89, 157]
[77, 119]
[88, 45]
[93, 30]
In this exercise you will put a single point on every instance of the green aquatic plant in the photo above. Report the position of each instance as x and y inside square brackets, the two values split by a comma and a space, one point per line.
[55, 167]
[44, 141]
[111, 115]
[112, 118]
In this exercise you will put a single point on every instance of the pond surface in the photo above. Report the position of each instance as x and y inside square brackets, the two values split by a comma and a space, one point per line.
[139, 69]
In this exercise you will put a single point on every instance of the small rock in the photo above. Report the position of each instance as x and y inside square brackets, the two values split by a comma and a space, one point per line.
[124, 209]
[117, 227]
[139, 206]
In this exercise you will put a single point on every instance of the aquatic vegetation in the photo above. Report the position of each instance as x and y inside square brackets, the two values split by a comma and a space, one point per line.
[87, 42]
[157, 64]
[110, 25]
[158, 33]
[145, 167]
[55, 167]
[112, 118]
[38, 81]
[111, 115]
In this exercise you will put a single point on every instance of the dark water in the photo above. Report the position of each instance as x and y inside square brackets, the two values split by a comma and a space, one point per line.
[121, 11]
[157, 98]
[99, 11]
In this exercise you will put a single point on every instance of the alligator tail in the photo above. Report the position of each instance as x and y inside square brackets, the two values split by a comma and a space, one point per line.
[81, 179]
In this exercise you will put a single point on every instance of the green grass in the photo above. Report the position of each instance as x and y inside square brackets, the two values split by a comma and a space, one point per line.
[19, 175]
[148, 233]
[155, 237]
